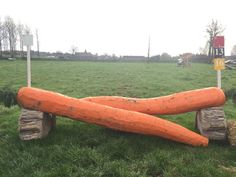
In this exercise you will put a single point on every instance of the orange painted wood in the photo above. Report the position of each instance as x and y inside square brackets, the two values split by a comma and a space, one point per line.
[166, 105]
[118, 119]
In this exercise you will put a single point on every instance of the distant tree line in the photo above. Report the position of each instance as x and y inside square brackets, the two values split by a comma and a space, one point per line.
[11, 37]
[166, 58]
[11, 34]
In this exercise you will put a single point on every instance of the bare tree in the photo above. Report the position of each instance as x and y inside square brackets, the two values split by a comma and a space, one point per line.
[27, 29]
[73, 49]
[5, 41]
[20, 31]
[213, 29]
[204, 50]
[1, 36]
[165, 56]
[233, 51]
[11, 31]
[148, 55]
[37, 38]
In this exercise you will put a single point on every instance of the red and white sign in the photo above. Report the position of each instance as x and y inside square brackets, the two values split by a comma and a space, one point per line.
[218, 42]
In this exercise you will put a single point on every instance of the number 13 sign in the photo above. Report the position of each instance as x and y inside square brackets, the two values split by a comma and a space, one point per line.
[219, 52]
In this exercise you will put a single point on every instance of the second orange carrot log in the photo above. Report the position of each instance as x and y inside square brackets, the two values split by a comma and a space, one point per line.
[177, 103]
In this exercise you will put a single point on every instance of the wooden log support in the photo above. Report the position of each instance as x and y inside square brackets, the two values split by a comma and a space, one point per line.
[211, 123]
[35, 124]
[231, 124]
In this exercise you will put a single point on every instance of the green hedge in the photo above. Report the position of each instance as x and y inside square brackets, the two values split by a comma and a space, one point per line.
[230, 94]
[8, 96]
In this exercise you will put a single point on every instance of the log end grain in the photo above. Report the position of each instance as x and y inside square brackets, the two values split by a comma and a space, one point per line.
[211, 123]
[231, 124]
[35, 124]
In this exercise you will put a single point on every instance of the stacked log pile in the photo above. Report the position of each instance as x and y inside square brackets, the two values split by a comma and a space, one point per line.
[211, 123]
[35, 124]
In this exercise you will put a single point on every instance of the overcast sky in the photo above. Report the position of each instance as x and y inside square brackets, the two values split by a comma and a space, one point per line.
[122, 27]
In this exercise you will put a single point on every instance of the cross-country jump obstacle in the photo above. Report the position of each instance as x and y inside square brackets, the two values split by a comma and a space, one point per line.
[126, 114]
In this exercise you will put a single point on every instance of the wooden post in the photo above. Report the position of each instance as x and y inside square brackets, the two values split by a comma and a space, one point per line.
[211, 123]
[35, 124]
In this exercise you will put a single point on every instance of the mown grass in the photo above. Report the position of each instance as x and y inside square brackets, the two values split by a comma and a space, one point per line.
[79, 149]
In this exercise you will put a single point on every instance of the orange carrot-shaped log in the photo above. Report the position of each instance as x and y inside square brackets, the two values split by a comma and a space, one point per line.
[172, 104]
[110, 117]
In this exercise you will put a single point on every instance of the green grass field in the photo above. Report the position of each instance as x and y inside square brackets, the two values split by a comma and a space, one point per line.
[79, 149]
